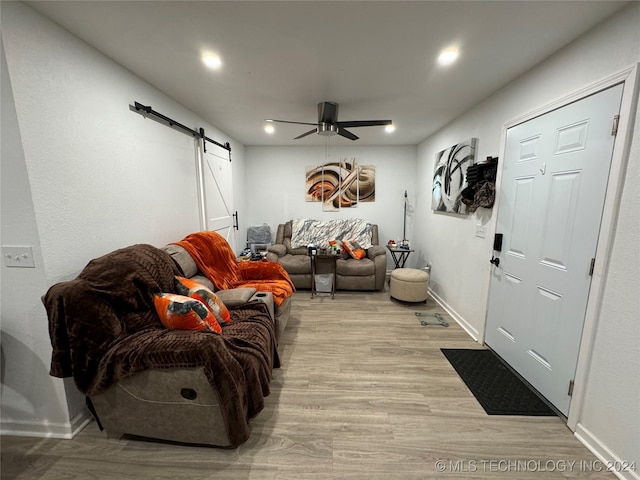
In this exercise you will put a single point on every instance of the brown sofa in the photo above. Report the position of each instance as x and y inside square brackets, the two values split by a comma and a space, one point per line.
[142, 379]
[364, 274]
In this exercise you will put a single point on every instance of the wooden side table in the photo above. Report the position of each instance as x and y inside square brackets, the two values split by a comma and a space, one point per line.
[399, 255]
[314, 260]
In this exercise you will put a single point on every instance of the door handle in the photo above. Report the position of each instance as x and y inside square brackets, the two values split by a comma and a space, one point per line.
[495, 261]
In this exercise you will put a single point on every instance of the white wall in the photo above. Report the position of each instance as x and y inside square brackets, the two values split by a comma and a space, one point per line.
[611, 411]
[90, 176]
[276, 184]
[22, 399]
[610, 417]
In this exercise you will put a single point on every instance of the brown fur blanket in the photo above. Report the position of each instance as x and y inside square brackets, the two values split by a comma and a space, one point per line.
[103, 327]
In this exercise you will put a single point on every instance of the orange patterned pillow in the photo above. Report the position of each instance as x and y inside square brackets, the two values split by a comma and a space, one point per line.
[190, 288]
[354, 249]
[184, 313]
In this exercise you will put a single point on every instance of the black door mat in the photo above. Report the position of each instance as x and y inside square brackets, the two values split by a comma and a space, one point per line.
[495, 386]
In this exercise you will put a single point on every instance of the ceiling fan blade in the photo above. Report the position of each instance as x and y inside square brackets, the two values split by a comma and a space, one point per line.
[314, 130]
[347, 134]
[364, 123]
[287, 121]
[327, 112]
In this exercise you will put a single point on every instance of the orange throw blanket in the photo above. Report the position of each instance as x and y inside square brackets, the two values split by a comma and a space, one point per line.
[216, 260]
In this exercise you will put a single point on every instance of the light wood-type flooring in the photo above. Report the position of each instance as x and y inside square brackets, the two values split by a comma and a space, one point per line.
[363, 393]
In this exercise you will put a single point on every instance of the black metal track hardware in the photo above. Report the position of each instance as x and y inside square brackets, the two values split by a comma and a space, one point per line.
[145, 111]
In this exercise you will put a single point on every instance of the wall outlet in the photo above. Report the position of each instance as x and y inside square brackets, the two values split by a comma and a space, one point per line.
[18, 256]
[481, 231]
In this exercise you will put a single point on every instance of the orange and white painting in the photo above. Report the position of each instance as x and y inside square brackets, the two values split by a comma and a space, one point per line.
[341, 184]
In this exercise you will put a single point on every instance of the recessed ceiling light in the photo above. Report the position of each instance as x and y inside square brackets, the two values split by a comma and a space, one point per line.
[212, 61]
[448, 56]
[390, 128]
[269, 129]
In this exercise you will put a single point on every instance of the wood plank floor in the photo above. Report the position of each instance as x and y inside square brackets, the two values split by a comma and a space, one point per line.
[364, 393]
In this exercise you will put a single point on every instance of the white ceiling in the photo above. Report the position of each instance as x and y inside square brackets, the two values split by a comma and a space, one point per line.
[376, 59]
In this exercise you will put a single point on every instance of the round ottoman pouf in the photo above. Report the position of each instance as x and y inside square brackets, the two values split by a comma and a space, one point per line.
[409, 285]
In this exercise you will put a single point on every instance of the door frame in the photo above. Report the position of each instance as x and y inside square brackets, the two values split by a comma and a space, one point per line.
[619, 160]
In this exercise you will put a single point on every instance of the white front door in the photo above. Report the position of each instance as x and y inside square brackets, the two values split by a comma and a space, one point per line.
[554, 182]
[218, 188]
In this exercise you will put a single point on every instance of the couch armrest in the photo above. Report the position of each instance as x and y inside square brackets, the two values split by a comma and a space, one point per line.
[375, 250]
[279, 249]
[234, 297]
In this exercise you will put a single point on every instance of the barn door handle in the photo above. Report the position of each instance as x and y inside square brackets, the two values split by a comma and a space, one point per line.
[235, 220]
[495, 261]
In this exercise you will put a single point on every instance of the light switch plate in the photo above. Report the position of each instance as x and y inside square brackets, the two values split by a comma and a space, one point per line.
[481, 231]
[18, 256]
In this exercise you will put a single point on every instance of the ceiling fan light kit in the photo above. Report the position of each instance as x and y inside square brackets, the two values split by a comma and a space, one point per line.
[329, 125]
[327, 129]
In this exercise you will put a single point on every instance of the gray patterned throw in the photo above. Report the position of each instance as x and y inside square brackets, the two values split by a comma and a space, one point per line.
[306, 231]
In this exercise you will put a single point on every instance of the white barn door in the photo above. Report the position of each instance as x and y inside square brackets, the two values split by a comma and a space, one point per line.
[218, 213]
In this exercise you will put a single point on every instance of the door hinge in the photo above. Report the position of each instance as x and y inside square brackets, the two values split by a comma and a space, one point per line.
[592, 266]
[570, 392]
[614, 128]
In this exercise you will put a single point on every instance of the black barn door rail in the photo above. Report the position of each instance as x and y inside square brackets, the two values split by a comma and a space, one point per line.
[147, 111]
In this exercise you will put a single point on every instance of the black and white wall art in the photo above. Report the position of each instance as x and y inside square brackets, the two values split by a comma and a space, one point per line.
[449, 177]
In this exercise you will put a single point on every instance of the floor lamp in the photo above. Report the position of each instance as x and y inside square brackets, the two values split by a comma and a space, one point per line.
[405, 242]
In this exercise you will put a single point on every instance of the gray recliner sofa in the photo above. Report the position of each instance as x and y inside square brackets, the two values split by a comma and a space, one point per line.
[367, 273]
[142, 379]
[235, 296]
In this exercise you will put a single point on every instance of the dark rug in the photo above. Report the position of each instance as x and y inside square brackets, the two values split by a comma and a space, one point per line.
[495, 386]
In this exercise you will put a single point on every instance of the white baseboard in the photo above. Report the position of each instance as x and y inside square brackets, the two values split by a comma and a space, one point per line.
[473, 333]
[606, 456]
[46, 429]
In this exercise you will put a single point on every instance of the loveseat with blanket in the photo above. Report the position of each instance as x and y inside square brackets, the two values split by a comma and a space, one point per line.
[293, 237]
[142, 378]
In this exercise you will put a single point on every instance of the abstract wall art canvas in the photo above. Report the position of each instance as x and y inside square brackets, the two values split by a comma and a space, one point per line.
[449, 177]
[341, 184]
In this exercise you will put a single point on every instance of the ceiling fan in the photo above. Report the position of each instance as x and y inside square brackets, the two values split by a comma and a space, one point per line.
[328, 123]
